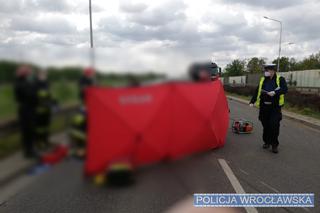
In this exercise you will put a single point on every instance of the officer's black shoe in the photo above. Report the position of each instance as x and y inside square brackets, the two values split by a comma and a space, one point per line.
[275, 149]
[266, 146]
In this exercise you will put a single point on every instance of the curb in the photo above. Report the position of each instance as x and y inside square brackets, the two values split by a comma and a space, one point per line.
[15, 165]
[308, 121]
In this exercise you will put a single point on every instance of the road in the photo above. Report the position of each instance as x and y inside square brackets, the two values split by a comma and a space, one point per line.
[295, 169]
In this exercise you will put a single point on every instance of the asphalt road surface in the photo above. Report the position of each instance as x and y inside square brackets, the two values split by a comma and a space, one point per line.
[295, 169]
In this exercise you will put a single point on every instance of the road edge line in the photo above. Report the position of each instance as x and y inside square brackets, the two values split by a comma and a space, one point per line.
[234, 182]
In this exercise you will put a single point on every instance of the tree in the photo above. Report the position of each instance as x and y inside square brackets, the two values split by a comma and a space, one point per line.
[312, 62]
[7, 71]
[292, 64]
[284, 64]
[235, 68]
[255, 65]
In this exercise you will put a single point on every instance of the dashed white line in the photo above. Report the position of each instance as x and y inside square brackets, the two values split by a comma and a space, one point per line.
[304, 208]
[270, 187]
[244, 172]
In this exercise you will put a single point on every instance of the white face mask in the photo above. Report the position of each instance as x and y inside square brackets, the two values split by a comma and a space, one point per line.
[267, 74]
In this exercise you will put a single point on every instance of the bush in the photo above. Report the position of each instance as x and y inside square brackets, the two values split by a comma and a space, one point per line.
[303, 101]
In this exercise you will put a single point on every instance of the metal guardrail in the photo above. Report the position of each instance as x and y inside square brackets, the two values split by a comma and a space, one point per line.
[306, 90]
[303, 90]
[10, 125]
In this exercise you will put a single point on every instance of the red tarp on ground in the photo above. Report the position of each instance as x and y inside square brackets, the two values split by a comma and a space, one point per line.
[148, 124]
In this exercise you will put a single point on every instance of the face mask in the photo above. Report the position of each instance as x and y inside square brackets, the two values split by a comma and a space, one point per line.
[267, 74]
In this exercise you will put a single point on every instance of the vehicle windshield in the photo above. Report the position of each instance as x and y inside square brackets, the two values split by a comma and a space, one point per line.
[214, 71]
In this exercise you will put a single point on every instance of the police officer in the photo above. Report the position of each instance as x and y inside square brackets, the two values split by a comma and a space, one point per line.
[43, 109]
[269, 98]
[24, 90]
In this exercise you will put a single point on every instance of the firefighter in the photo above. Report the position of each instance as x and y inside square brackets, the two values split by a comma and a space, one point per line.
[25, 95]
[78, 132]
[269, 98]
[86, 80]
[43, 110]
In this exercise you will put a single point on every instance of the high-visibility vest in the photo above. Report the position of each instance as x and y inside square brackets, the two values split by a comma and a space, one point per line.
[281, 98]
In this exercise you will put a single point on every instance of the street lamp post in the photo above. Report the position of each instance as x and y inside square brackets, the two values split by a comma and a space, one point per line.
[91, 37]
[90, 15]
[278, 67]
[288, 44]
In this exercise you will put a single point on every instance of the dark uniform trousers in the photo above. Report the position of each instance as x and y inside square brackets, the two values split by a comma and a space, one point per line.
[26, 121]
[270, 117]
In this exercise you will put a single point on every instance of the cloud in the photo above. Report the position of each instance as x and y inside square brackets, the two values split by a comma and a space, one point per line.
[161, 15]
[303, 25]
[49, 5]
[8, 7]
[270, 4]
[128, 7]
[47, 25]
[34, 6]
[156, 35]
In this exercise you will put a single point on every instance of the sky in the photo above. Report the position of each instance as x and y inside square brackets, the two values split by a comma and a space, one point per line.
[160, 35]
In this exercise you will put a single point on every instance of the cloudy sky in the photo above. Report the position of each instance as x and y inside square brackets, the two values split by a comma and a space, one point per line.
[160, 35]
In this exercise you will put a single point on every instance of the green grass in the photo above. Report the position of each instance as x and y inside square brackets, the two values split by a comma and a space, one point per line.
[7, 102]
[112, 82]
[66, 93]
[9, 144]
[302, 111]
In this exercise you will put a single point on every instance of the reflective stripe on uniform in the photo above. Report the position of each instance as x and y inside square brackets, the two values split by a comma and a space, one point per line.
[78, 134]
[281, 98]
[43, 93]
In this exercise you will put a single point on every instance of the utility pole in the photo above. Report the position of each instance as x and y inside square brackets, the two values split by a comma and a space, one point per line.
[91, 38]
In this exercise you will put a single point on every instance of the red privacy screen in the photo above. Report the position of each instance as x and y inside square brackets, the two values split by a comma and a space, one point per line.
[148, 124]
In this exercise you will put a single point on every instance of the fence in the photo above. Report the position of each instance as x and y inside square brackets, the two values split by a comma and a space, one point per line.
[293, 97]
[9, 126]
[306, 81]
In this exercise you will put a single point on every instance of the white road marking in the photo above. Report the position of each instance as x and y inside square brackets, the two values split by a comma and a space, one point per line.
[235, 182]
[270, 187]
[304, 208]
[244, 172]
